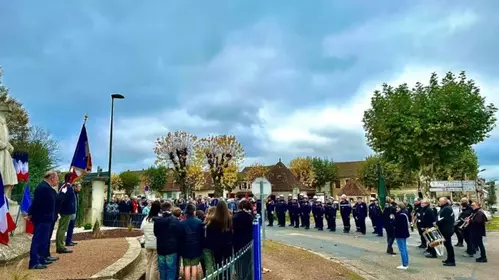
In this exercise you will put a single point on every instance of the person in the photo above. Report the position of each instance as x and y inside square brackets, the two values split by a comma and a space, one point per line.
[372, 214]
[167, 232]
[290, 202]
[314, 209]
[294, 211]
[409, 209]
[427, 218]
[306, 208]
[361, 209]
[445, 224]
[243, 234]
[388, 223]
[67, 208]
[191, 248]
[270, 210]
[218, 235]
[477, 228]
[319, 214]
[281, 208]
[147, 228]
[42, 213]
[200, 214]
[463, 234]
[330, 212]
[417, 212]
[147, 208]
[379, 218]
[345, 211]
[207, 262]
[401, 233]
[71, 226]
[355, 219]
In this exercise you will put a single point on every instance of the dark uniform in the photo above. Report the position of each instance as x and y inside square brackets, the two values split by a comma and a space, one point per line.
[379, 219]
[373, 215]
[417, 214]
[345, 211]
[319, 213]
[290, 201]
[427, 221]
[314, 211]
[305, 213]
[361, 210]
[330, 213]
[295, 211]
[463, 235]
[445, 224]
[270, 212]
[354, 215]
[281, 212]
[409, 210]
[389, 225]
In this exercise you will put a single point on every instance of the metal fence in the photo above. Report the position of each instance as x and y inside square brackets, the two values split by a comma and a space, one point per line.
[122, 219]
[239, 266]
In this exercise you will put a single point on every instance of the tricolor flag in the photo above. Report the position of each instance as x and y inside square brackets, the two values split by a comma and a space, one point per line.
[82, 160]
[25, 205]
[21, 164]
[7, 224]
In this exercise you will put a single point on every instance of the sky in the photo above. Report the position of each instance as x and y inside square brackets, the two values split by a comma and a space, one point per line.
[288, 78]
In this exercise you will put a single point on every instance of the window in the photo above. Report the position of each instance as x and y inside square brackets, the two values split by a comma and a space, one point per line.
[337, 184]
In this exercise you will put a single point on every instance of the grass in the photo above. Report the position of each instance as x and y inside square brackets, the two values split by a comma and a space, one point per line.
[493, 225]
[20, 273]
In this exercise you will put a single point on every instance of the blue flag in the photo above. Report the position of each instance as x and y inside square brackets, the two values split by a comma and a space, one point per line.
[26, 203]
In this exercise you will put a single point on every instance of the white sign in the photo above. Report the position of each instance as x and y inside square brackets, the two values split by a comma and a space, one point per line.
[255, 187]
[453, 186]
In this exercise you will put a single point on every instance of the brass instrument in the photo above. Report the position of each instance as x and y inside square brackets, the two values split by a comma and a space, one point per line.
[467, 221]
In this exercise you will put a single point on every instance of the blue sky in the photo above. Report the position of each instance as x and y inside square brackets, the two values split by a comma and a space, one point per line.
[288, 78]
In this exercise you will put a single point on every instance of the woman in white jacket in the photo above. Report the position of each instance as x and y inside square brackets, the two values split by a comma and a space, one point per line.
[150, 241]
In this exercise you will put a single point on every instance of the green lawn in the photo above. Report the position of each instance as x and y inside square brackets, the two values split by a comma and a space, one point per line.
[493, 225]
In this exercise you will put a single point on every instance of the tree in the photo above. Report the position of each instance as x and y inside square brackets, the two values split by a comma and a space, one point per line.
[177, 150]
[325, 171]
[303, 170]
[428, 126]
[254, 171]
[231, 177]
[393, 175]
[492, 193]
[116, 182]
[464, 167]
[220, 152]
[130, 180]
[156, 177]
[18, 119]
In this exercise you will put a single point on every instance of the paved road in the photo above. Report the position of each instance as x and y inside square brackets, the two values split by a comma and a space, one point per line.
[367, 253]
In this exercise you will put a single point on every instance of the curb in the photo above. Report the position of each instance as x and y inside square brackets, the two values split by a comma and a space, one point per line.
[365, 275]
[124, 265]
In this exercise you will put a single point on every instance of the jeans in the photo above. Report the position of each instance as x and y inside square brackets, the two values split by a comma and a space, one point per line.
[167, 266]
[69, 234]
[38, 250]
[61, 230]
[404, 254]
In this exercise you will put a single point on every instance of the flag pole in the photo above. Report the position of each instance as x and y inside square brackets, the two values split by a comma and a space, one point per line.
[85, 118]
[19, 210]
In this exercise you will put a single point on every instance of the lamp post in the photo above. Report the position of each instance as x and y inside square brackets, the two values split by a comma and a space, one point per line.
[113, 97]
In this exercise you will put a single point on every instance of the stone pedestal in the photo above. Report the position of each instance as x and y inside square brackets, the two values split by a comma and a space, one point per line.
[21, 222]
[98, 188]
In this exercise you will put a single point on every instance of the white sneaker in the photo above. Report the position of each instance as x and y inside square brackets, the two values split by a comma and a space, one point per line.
[401, 267]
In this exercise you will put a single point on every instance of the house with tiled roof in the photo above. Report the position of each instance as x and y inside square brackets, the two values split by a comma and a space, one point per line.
[354, 189]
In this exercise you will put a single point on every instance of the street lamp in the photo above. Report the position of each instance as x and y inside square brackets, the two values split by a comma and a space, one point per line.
[113, 97]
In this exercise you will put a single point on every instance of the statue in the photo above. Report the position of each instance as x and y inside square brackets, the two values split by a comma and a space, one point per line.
[7, 168]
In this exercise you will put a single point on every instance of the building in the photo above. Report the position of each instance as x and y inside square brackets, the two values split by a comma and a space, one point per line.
[354, 189]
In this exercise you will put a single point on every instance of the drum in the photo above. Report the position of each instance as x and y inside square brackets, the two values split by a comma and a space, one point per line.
[434, 239]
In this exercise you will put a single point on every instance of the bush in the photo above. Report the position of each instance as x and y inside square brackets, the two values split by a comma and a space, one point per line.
[87, 226]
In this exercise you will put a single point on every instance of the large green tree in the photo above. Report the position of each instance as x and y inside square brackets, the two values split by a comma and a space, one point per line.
[393, 174]
[491, 188]
[464, 167]
[129, 180]
[428, 126]
[156, 177]
[325, 171]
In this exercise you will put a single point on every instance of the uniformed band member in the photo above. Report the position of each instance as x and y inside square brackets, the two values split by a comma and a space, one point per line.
[445, 224]
[330, 212]
[301, 198]
[417, 219]
[463, 234]
[314, 210]
[372, 214]
[281, 208]
[409, 210]
[389, 223]
[345, 211]
[305, 212]
[476, 225]
[295, 211]
[361, 209]
[270, 210]
[354, 215]
[427, 221]
[319, 212]
[379, 218]
[290, 201]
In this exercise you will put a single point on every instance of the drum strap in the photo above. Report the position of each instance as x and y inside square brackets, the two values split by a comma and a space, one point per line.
[408, 223]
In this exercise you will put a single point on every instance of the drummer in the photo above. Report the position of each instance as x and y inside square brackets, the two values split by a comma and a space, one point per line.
[427, 221]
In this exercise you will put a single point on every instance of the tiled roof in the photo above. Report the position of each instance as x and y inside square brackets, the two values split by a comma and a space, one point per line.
[282, 179]
[353, 188]
[348, 169]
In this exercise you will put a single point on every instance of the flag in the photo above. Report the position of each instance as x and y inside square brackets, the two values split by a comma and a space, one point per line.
[420, 190]
[381, 188]
[25, 204]
[21, 165]
[7, 224]
[82, 160]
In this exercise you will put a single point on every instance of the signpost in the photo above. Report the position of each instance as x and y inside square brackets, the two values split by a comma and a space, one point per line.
[452, 186]
[261, 187]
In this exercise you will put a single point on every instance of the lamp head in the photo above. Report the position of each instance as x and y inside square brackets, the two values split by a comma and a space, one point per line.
[117, 96]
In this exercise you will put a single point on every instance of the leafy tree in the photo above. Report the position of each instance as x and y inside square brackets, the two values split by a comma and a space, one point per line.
[427, 127]
[254, 171]
[393, 174]
[130, 180]
[116, 182]
[325, 171]
[220, 152]
[18, 119]
[156, 177]
[177, 150]
[231, 177]
[464, 167]
[491, 188]
[303, 170]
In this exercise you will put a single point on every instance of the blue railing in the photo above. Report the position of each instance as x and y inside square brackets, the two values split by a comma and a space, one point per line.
[122, 219]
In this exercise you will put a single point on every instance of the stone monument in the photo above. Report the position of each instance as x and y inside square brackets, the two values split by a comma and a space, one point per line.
[7, 168]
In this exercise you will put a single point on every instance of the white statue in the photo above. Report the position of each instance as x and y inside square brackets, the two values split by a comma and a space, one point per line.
[7, 168]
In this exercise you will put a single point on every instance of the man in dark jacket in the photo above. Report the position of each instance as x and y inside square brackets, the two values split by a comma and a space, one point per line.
[445, 224]
[295, 212]
[192, 233]
[389, 223]
[477, 225]
[345, 211]
[330, 212]
[305, 212]
[463, 235]
[270, 210]
[67, 208]
[290, 202]
[361, 209]
[281, 211]
[168, 234]
[417, 214]
[42, 213]
[319, 213]
[372, 214]
[69, 234]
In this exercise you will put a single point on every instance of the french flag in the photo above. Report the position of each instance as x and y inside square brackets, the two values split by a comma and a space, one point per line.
[82, 160]
[7, 224]
[21, 164]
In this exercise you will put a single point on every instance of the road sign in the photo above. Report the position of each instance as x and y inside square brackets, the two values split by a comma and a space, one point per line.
[266, 188]
[452, 186]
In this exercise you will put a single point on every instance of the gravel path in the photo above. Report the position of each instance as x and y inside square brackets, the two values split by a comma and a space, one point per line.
[88, 258]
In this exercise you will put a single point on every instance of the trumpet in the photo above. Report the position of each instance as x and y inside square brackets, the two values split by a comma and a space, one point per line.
[467, 222]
